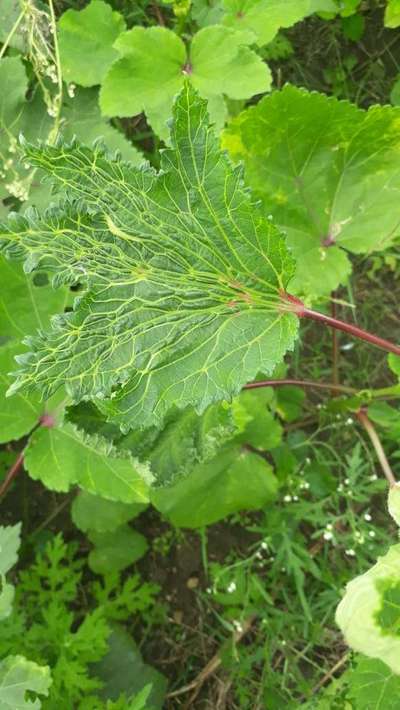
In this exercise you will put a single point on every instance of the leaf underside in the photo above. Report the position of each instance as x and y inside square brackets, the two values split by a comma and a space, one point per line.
[182, 272]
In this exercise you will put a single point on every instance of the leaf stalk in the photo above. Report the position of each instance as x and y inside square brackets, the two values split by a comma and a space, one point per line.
[298, 307]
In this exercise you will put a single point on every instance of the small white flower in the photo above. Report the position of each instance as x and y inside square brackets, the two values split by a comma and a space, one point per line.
[349, 421]
[71, 90]
[350, 552]
[308, 461]
[328, 536]
[329, 526]
[287, 499]
[231, 587]
[346, 481]
[237, 625]
[295, 497]
[264, 545]
[372, 533]
[374, 477]
[367, 517]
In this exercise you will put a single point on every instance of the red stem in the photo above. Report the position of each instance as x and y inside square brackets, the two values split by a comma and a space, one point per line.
[15, 468]
[302, 311]
[335, 346]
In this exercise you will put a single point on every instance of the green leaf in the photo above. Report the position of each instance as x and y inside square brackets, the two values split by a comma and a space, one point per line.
[86, 39]
[392, 14]
[123, 671]
[81, 118]
[234, 480]
[26, 303]
[328, 173]
[13, 88]
[10, 11]
[394, 363]
[19, 676]
[115, 550]
[264, 18]
[10, 540]
[185, 440]
[184, 273]
[369, 613]
[7, 593]
[91, 512]
[263, 430]
[373, 686]
[207, 12]
[63, 456]
[394, 502]
[17, 416]
[154, 64]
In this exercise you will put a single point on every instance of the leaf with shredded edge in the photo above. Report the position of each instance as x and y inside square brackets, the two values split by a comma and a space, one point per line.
[63, 456]
[329, 174]
[183, 270]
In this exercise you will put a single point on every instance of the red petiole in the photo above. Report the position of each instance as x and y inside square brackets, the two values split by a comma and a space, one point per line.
[296, 306]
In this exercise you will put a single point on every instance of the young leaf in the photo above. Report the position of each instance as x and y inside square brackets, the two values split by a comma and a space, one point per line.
[154, 64]
[263, 18]
[392, 14]
[63, 456]
[91, 512]
[372, 685]
[234, 480]
[10, 540]
[116, 550]
[394, 363]
[184, 275]
[263, 430]
[19, 676]
[86, 39]
[328, 173]
[369, 613]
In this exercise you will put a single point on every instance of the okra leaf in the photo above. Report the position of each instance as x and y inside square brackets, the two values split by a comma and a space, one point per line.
[183, 271]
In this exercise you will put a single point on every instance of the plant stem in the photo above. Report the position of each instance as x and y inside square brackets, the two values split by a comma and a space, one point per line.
[335, 346]
[300, 383]
[13, 471]
[298, 307]
[376, 443]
